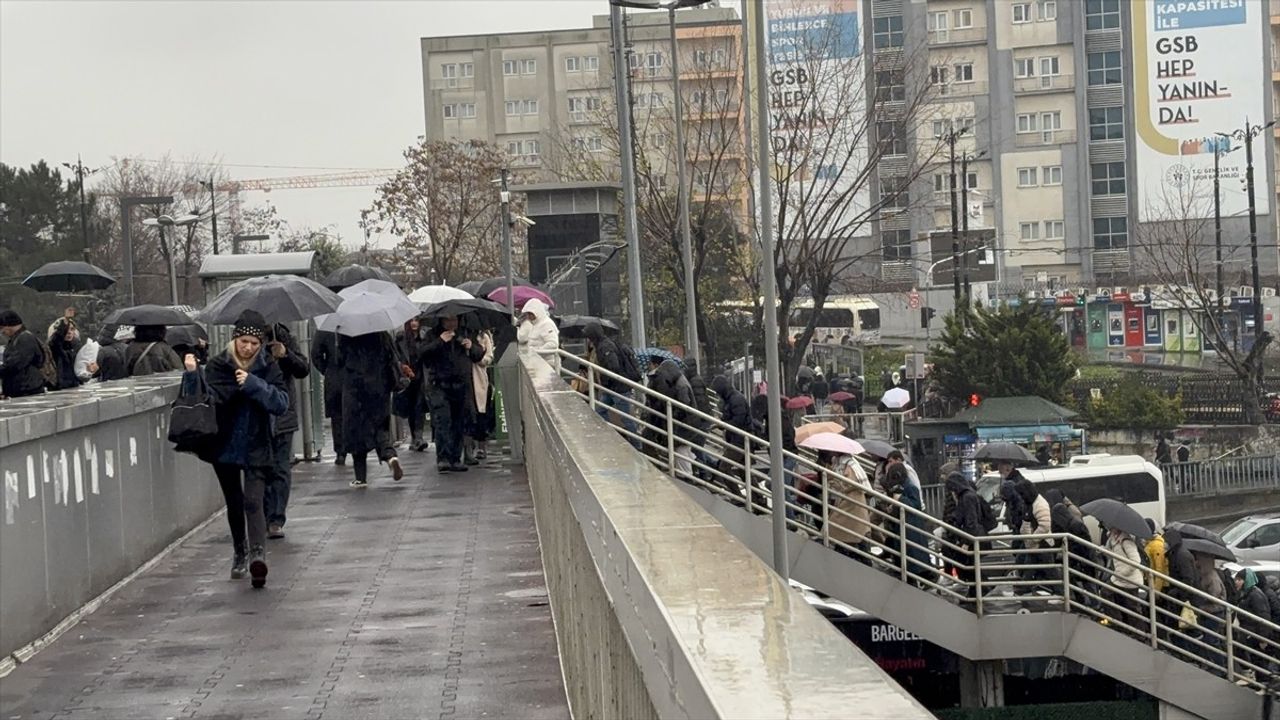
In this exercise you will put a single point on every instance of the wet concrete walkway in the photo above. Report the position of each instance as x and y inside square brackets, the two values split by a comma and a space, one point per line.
[419, 599]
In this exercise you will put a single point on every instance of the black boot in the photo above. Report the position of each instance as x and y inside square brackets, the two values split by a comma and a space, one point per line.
[239, 565]
[258, 566]
[340, 460]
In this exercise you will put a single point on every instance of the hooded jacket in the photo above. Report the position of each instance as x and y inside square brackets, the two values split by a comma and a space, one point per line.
[760, 414]
[246, 413]
[734, 410]
[670, 382]
[540, 336]
[699, 387]
[20, 369]
[1253, 599]
[608, 356]
[966, 515]
[148, 353]
[1272, 590]
[293, 366]
[1182, 565]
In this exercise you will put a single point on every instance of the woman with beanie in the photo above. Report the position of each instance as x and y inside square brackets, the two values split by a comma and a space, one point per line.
[249, 392]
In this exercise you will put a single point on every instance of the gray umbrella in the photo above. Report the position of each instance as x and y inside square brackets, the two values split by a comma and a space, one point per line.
[280, 298]
[368, 312]
[1115, 514]
[349, 275]
[148, 315]
[68, 276]
[1208, 547]
[875, 448]
[1005, 452]
[1187, 530]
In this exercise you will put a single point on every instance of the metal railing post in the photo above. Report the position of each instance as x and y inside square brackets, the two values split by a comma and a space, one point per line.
[1229, 647]
[902, 541]
[671, 441]
[1066, 575]
[1151, 608]
[977, 574]
[826, 514]
[746, 471]
[591, 389]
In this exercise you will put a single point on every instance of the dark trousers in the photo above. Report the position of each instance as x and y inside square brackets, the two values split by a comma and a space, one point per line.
[244, 503]
[279, 480]
[360, 460]
[417, 421]
[335, 422]
[448, 420]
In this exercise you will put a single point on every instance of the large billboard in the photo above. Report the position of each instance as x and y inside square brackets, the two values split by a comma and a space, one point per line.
[817, 88]
[1198, 71]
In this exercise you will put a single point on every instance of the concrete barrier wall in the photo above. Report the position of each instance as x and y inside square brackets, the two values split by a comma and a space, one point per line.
[660, 612]
[92, 491]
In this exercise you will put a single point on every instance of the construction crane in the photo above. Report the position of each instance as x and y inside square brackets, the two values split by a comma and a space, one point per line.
[354, 178]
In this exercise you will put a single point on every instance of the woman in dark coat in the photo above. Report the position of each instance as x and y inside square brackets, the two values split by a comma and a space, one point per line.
[324, 357]
[249, 393]
[412, 403]
[148, 353]
[64, 343]
[366, 380]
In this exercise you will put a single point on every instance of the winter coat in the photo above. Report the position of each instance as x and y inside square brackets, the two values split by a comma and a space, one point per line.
[412, 400]
[366, 379]
[1056, 497]
[1253, 600]
[64, 354]
[324, 357]
[1272, 590]
[1124, 575]
[760, 414]
[246, 413]
[1210, 581]
[670, 383]
[966, 515]
[608, 353]
[820, 389]
[20, 371]
[850, 514]
[1081, 553]
[1156, 555]
[480, 372]
[734, 410]
[698, 386]
[147, 357]
[293, 366]
[540, 336]
[1182, 565]
[917, 532]
[1015, 509]
[448, 364]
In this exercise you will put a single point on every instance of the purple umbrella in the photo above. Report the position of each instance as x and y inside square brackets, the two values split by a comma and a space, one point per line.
[523, 294]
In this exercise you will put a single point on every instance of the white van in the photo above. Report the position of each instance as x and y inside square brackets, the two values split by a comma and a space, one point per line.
[1127, 478]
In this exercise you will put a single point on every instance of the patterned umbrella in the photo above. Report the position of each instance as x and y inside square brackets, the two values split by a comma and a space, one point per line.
[644, 354]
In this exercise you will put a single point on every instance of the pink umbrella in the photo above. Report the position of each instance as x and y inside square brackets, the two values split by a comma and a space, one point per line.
[832, 442]
[523, 294]
[798, 402]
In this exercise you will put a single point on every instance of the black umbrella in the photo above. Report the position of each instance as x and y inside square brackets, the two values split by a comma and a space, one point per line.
[1208, 547]
[349, 275]
[572, 326]
[188, 335]
[487, 286]
[148, 315]
[68, 276]
[475, 312]
[1115, 514]
[1187, 530]
[280, 298]
[471, 287]
[875, 448]
[1005, 452]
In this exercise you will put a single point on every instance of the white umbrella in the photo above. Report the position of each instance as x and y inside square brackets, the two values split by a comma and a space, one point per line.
[432, 294]
[367, 312]
[896, 398]
[375, 286]
[832, 442]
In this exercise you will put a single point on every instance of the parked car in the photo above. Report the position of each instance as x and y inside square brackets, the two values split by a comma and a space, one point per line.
[1256, 537]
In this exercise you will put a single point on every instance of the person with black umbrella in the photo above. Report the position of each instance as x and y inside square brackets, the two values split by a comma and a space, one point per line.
[369, 374]
[412, 403]
[324, 357]
[293, 366]
[448, 356]
[148, 353]
[249, 395]
[24, 355]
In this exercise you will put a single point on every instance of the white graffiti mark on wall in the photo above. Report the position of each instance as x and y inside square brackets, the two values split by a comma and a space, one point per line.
[10, 495]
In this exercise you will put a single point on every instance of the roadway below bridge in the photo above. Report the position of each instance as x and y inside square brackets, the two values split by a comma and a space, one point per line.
[424, 599]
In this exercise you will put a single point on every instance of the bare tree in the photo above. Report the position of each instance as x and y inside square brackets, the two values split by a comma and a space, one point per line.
[446, 210]
[1179, 252]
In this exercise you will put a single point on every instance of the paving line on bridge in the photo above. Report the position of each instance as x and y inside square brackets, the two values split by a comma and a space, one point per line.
[458, 632]
[10, 662]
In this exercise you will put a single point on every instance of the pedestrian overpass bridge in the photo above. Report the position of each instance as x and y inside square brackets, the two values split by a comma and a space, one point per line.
[430, 598]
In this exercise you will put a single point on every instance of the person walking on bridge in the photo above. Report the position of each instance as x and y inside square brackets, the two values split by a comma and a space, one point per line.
[614, 356]
[249, 395]
[293, 364]
[324, 357]
[672, 388]
[24, 355]
[448, 356]
[369, 375]
[735, 411]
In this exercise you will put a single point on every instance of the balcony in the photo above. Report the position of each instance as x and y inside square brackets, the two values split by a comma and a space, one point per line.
[463, 83]
[953, 89]
[1044, 84]
[958, 36]
[1042, 138]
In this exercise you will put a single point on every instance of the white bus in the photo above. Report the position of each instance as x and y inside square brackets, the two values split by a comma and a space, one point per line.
[1127, 478]
[853, 315]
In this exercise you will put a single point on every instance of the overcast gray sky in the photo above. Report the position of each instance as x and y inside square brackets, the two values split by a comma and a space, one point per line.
[280, 83]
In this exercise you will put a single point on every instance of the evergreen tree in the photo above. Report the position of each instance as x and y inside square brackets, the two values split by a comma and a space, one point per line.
[1009, 351]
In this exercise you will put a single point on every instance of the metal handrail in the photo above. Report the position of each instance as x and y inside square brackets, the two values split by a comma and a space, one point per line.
[1065, 572]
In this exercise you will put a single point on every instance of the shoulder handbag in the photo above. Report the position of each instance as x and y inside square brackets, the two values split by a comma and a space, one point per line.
[193, 419]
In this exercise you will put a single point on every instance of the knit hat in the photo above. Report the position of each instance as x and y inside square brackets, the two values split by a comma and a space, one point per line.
[250, 323]
[9, 317]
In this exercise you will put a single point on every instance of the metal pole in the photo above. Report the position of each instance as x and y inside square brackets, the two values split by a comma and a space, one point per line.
[1217, 232]
[690, 289]
[213, 214]
[84, 219]
[767, 281]
[955, 226]
[505, 196]
[173, 273]
[1253, 242]
[964, 229]
[126, 239]
[622, 93]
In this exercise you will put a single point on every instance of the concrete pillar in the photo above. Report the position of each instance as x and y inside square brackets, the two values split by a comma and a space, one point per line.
[981, 683]
[1173, 712]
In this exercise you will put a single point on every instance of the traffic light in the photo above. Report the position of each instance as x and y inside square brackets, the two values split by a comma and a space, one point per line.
[926, 314]
[974, 400]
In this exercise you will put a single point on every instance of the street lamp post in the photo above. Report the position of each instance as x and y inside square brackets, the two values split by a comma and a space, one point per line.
[162, 222]
[84, 217]
[964, 230]
[126, 233]
[1247, 134]
[622, 98]
[505, 197]
[213, 212]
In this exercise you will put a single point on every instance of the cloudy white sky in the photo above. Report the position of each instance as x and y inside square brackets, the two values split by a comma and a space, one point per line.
[287, 84]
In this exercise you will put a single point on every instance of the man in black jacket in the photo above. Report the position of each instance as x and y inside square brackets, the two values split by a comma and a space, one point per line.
[667, 380]
[20, 371]
[447, 357]
[701, 401]
[324, 356]
[293, 365]
[609, 355]
[736, 412]
[965, 515]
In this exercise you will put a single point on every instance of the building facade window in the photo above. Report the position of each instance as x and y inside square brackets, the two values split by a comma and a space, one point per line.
[1055, 229]
[1027, 177]
[524, 149]
[887, 32]
[1026, 122]
[573, 64]
[896, 244]
[590, 63]
[1110, 233]
[895, 193]
[1021, 13]
[450, 111]
[1106, 123]
[1049, 66]
[963, 18]
[1024, 67]
[467, 110]
[963, 72]
[939, 26]
[1046, 10]
[521, 107]
[595, 144]
[893, 137]
[509, 68]
[1029, 230]
[1052, 174]
[528, 67]
[939, 74]
[942, 181]
[468, 70]
[1107, 178]
[1104, 68]
[891, 86]
[1101, 14]
[653, 63]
